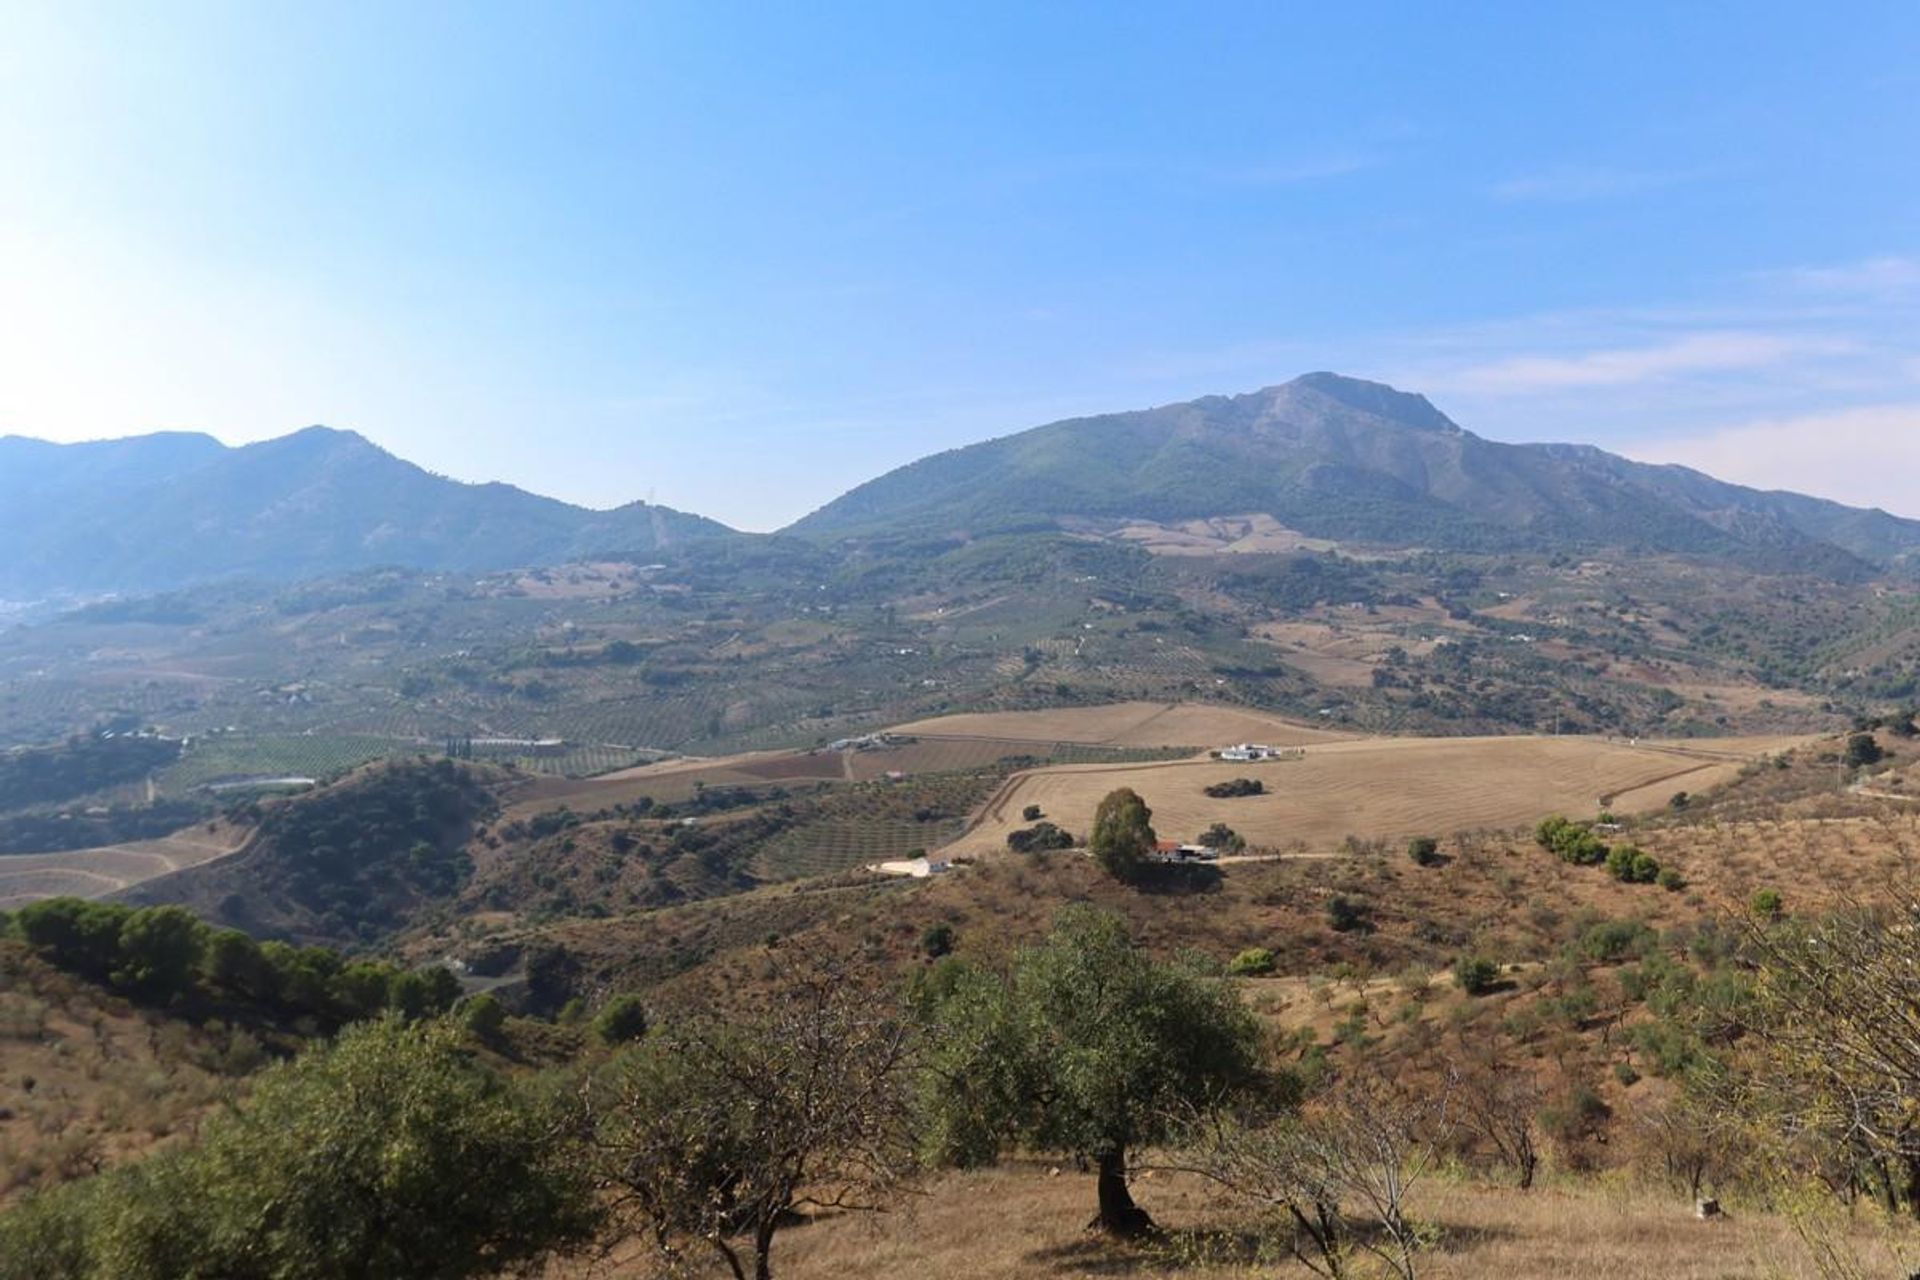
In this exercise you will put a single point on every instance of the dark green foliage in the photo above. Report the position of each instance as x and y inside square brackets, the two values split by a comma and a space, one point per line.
[1863, 750]
[622, 1019]
[937, 940]
[74, 934]
[1572, 842]
[1039, 838]
[1223, 837]
[389, 1155]
[1088, 1046]
[363, 854]
[1424, 851]
[483, 1015]
[1235, 787]
[1476, 975]
[1031, 813]
[423, 993]
[160, 951]
[1631, 866]
[551, 974]
[1611, 941]
[1123, 834]
[1671, 880]
[1348, 915]
[1768, 904]
[48, 775]
[163, 956]
[55, 832]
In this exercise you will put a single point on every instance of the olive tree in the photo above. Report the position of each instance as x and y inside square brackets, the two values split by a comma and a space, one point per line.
[389, 1155]
[715, 1130]
[1086, 1046]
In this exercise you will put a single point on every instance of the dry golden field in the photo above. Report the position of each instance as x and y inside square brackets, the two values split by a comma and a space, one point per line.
[1023, 1222]
[1126, 724]
[1380, 788]
[91, 873]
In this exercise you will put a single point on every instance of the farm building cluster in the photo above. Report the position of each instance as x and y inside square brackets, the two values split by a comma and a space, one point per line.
[1258, 751]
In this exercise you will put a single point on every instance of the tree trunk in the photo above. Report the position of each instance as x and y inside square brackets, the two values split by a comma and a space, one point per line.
[763, 1249]
[1118, 1213]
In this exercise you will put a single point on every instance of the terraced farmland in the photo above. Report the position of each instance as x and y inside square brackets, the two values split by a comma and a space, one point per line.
[91, 873]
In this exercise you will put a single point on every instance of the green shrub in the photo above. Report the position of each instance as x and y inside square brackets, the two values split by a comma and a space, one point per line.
[1612, 941]
[1671, 880]
[1476, 975]
[483, 1015]
[1768, 904]
[1423, 850]
[1348, 915]
[622, 1019]
[1631, 866]
[937, 940]
[1572, 842]
[1254, 962]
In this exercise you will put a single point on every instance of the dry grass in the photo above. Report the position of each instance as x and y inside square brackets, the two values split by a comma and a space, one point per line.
[88, 1081]
[1023, 1222]
[1125, 724]
[1373, 789]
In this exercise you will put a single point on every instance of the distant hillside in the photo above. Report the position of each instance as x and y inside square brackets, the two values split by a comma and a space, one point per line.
[164, 510]
[1338, 458]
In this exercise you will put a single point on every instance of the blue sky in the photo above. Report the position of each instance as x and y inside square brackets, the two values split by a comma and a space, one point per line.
[740, 257]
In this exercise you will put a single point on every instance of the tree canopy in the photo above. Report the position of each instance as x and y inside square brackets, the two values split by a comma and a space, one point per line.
[1123, 834]
[1087, 1046]
[387, 1155]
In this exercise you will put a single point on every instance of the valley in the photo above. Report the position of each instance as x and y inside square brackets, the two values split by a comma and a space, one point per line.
[1509, 764]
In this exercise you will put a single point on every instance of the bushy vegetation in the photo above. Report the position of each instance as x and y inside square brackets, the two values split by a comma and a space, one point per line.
[79, 766]
[165, 958]
[1039, 838]
[361, 855]
[387, 1154]
[1236, 787]
[1570, 841]
[110, 824]
[1254, 962]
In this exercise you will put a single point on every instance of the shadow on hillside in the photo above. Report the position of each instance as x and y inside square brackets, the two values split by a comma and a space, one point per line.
[1178, 880]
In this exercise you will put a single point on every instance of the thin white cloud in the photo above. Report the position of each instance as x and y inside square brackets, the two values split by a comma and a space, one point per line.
[1623, 366]
[1886, 276]
[1867, 456]
[1571, 183]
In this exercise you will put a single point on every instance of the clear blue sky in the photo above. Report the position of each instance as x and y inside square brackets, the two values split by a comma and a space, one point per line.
[739, 257]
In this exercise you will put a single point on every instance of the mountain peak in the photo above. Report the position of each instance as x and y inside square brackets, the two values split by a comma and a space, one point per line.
[1377, 398]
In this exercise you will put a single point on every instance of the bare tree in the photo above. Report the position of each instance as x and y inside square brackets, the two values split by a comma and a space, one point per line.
[716, 1131]
[1341, 1171]
[1837, 1063]
[1499, 1103]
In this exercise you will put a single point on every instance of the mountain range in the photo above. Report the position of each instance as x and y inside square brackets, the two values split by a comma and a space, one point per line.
[1328, 456]
[1340, 458]
[157, 511]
